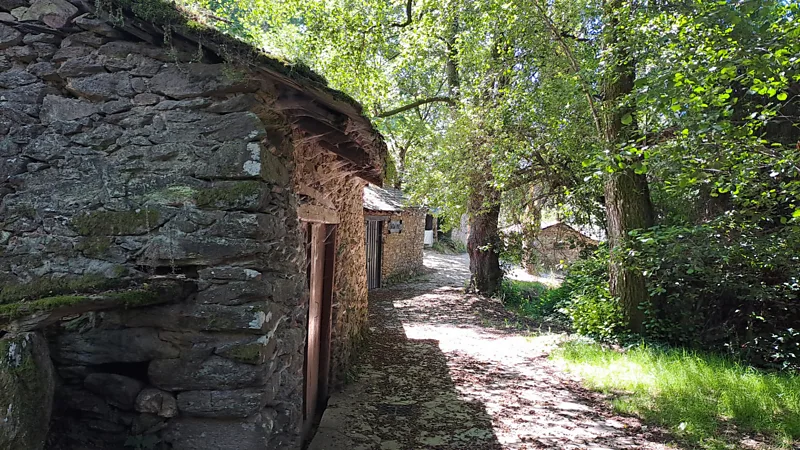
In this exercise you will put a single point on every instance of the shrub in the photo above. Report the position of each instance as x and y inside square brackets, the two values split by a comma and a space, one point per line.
[725, 287]
[530, 298]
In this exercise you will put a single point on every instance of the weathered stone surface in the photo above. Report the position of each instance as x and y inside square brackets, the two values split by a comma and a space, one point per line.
[80, 67]
[56, 108]
[146, 99]
[44, 70]
[54, 13]
[8, 5]
[19, 12]
[222, 404]
[16, 78]
[212, 373]
[86, 38]
[27, 384]
[156, 401]
[198, 80]
[106, 346]
[44, 38]
[237, 103]
[9, 37]
[118, 390]
[258, 317]
[212, 434]
[101, 87]
[98, 26]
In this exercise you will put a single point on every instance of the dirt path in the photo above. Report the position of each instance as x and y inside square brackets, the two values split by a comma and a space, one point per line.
[447, 370]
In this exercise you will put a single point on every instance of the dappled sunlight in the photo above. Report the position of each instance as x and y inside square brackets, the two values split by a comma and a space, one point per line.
[443, 369]
[500, 361]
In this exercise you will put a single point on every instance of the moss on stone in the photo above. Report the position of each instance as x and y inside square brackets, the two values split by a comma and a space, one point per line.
[115, 223]
[228, 195]
[143, 296]
[247, 353]
[94, 246]
[46, 287]
[171, 195]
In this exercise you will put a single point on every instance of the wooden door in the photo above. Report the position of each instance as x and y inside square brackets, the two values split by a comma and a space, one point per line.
[320, 242]
[373, 248]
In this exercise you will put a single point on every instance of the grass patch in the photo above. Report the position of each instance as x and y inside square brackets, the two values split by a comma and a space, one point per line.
[705, 400]
[529, 298]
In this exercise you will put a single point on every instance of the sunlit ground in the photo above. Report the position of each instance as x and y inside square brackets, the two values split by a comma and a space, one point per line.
[503, 364]
[442, 369]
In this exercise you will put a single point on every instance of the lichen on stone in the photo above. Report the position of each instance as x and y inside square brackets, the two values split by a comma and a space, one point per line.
[116, 223]
[226, 196]
[48, 287]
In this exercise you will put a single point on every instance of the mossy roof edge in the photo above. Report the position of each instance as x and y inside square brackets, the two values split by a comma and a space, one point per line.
[190, 25]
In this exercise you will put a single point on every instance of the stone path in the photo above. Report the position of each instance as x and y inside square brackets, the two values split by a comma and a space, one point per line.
[447, 370]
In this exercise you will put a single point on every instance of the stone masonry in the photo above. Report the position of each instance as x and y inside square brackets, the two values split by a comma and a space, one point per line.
[149, 234]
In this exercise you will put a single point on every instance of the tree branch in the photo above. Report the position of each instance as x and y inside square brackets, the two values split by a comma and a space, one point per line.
[415, 104]
[564, 34]
[409, 19]
[575, 66]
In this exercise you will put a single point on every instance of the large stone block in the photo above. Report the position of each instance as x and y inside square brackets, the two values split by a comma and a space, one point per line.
[258, 317]
[27, 384]
[102, 86]
[108, 346]
[199, 80]
[9, 37]
[156, 401]
[56, 108]
[210, 434]
[212, 373]
[118, 390]
[54, 13]
[223, 404]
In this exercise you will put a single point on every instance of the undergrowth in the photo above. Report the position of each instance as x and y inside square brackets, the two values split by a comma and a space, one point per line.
[707, 401]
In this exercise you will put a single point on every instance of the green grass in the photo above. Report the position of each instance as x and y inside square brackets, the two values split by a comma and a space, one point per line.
[706, 401]
[528, 298]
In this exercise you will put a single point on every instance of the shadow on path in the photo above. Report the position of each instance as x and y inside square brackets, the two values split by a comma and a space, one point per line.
[447, 370]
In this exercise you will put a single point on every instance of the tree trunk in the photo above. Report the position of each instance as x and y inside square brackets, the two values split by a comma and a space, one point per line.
[628, 208]
[483, 242]
[628, 205]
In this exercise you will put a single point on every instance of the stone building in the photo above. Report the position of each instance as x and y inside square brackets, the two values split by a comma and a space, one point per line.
[558, 244]
[395, 236]
[182, 242]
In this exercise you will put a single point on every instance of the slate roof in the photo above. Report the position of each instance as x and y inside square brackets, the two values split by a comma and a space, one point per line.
[381, 199]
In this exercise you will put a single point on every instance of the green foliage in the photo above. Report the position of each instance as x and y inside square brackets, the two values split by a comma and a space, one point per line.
[530, 298]
[585, 298]
[700, 398]
[725, 286]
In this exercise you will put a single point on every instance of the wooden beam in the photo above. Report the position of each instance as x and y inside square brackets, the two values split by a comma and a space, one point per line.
[317, 214]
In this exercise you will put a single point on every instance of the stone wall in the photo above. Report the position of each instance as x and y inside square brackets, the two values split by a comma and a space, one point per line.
[402, 252]
[556, 246]
[123, 166]
[344, 193]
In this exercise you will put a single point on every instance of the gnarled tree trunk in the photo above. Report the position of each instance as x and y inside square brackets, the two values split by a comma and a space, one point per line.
[483, 243]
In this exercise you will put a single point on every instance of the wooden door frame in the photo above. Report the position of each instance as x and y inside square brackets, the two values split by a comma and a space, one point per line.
[377, 265]
[327, 244]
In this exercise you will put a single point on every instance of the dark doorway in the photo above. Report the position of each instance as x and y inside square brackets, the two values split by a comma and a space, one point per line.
[374, 242]
[320, 250]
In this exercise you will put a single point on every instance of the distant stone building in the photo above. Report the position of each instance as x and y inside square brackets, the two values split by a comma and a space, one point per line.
[395, 234]
[558, 244]
[182, 257]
